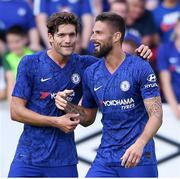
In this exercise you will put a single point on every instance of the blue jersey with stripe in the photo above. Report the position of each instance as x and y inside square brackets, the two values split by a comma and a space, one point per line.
[38, 80]
[119, 96]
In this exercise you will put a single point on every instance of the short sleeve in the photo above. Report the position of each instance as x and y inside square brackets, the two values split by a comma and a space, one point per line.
[148, 82]
[23, 85]
[88, 100]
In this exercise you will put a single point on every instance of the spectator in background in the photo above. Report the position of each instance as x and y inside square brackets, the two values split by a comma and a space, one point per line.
[2, 82]
[2, 79]
[130, 43]
[99, 6]
[82, 9]
[119, 7]
[169, 67]
[16, 42]
[140, 26]
[140, 22]
[151, 4]
[166, 16]
[15, 12]
[96, 6]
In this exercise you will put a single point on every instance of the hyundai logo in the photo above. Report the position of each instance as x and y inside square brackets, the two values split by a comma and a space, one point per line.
[151, 78]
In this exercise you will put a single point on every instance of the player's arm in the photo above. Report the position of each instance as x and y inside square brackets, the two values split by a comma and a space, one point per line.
[144, 52]
[152, 101]
[86, 115]
[133, 154]
[20, 113]
[154, 110]
[22, 93]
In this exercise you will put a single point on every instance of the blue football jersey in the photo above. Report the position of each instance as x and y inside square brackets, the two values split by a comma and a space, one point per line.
[78, 7]
[16, 12]
[165, 19]
[119, 96]
[39, 78]
[170, 60]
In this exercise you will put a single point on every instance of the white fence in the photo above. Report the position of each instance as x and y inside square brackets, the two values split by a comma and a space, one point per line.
[88, 139]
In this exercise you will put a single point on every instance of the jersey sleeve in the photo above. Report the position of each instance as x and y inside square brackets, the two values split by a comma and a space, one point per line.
[23, 85]
[88, 60]
[148, 82]
[88, 100]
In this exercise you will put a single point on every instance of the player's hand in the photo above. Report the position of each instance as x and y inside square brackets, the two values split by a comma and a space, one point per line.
[144, 52]
[67, 122]
[132, 155]
[60, 99]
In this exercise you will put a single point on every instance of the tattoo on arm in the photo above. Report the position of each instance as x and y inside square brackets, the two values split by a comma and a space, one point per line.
[70, 108]
[154, 107]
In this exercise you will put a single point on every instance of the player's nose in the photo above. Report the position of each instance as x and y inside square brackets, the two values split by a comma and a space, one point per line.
[67, 39]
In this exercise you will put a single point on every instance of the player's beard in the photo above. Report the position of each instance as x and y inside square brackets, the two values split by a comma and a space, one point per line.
[103, 50]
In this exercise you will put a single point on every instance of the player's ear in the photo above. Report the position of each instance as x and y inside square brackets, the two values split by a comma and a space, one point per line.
[50, 36]
[117, 37]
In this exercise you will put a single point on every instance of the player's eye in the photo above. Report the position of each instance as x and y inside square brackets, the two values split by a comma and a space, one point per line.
[72, 34]
[60, 35]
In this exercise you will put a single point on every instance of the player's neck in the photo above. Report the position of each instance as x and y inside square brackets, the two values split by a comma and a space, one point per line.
[114, 59]
[57, 58]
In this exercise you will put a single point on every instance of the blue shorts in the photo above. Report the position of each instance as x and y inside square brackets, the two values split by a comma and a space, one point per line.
[20, 169]
[100, 170]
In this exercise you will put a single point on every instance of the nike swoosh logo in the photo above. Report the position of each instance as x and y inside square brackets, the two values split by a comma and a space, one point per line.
[95, 89]
[46, 79]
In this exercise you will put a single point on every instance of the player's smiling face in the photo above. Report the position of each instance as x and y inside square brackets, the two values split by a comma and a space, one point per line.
[64, 40]
[102, 39]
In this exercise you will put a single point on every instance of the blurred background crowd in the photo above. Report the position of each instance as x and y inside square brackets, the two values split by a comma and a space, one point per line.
[155, 23]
